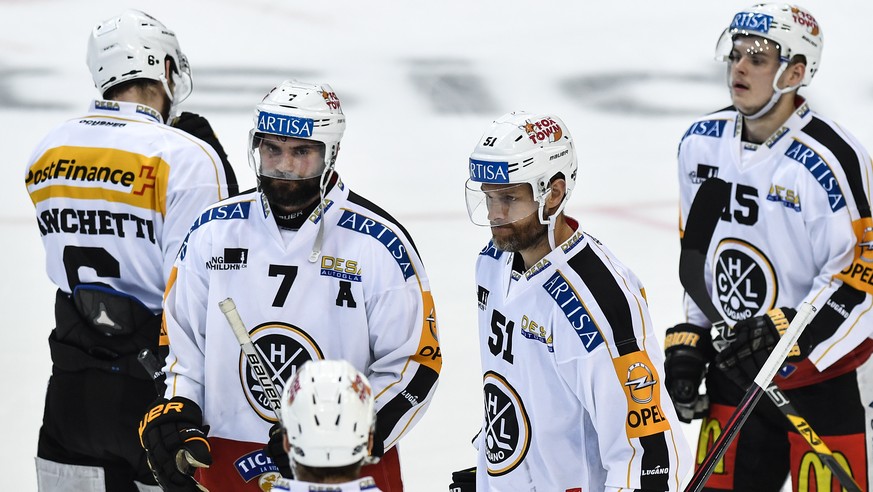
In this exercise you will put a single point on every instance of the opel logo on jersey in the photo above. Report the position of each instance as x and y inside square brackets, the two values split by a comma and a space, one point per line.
[641, 382]
[743, 279]
[866, 245]
[283, 348]
[507, 426]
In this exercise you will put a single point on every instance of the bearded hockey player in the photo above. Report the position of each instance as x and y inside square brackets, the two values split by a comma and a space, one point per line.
[317, 272]
[797, 228]
[571, 366]
[328, 421]
[115, 192]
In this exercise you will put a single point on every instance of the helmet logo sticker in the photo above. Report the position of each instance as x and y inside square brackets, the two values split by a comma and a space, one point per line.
[489, 172]
[330, 99]
[752, 21]
[743, 280]
[545, 129]
[507, 426]
[805, 19]
[281, 124]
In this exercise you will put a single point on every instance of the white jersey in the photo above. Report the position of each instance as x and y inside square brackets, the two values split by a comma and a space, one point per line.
[572, 377]
[366, 300]
[361, 485]
[115, 192]
[798, 229]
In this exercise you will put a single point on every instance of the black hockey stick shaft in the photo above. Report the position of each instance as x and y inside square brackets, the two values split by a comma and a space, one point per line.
[706, 210]
[731, 428]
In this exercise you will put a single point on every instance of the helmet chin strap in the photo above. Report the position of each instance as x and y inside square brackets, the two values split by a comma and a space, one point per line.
[326, 176]
[551, 220]
[171, 111]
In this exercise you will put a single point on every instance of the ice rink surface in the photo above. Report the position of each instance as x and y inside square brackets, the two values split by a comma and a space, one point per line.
[419, 81]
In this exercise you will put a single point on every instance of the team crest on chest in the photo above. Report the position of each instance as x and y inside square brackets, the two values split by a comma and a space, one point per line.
[283, 349]
[743, 280]
[507, 426]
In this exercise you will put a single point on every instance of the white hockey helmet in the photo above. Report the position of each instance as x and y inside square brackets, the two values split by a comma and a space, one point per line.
[134, 45]
[328, 414]
[793, 28]
[299, 110]
[520, 148]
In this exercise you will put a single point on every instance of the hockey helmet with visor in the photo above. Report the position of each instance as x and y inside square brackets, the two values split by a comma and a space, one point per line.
[515, 160]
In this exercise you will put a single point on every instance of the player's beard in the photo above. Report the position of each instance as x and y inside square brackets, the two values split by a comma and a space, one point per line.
[287, 196]
[520, 235]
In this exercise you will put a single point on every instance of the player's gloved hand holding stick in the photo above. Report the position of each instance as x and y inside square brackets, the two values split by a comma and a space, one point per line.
[750, 399]
[174, 437]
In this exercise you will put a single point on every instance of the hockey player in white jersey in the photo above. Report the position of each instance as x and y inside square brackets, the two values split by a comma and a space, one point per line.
[328, 418]
[797, 229]
[316, 272]
[115, 192]
[573, 396]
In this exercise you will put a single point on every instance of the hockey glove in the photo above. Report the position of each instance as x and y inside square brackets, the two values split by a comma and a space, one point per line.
[196, 125]
[463, 480]
[275, 449]
[753, 341]
[687, 351]
[175, 442]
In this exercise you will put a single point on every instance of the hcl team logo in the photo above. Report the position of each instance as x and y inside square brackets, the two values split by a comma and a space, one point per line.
[743, 280]
[283, 348]
[507, 426]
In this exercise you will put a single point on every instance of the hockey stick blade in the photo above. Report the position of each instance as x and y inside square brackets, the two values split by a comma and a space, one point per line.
[228, 307]
[706, 210]
[750, 399]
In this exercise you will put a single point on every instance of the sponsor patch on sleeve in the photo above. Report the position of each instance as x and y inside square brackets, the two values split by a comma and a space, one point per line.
[365, 225]
[640, 382]
[568, 300]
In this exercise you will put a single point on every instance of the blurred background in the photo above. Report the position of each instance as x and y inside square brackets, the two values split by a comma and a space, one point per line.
[419, 83]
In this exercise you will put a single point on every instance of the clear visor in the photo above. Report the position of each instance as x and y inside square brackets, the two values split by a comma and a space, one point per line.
[735, 43]
[183, 84]
[288, 158]
[499, 204]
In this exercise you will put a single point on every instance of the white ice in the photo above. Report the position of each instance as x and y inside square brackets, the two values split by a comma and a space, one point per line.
[420, 82]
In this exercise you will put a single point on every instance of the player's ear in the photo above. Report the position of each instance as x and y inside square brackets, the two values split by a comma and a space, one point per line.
[558, 188]
[285, 444]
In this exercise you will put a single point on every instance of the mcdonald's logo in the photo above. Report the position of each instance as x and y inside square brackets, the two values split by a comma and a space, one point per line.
[813, 475]
[710, 430]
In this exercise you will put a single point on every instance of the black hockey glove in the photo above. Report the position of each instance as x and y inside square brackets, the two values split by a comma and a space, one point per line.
[753, 341]
[275, 449]
[174, 438]
[463, 480]
[687, 351]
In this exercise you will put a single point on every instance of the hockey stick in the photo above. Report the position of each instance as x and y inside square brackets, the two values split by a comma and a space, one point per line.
[228, 307]
[708, 205]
